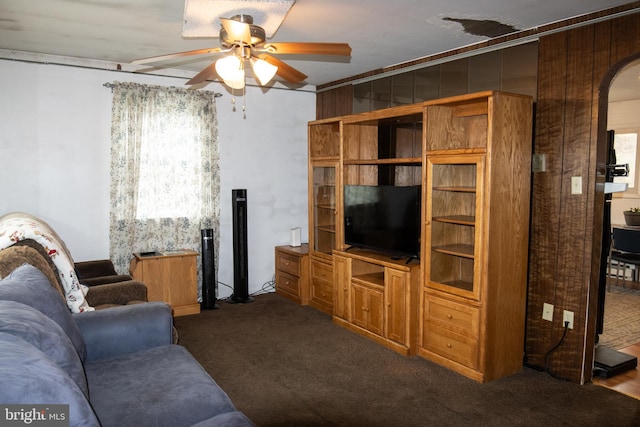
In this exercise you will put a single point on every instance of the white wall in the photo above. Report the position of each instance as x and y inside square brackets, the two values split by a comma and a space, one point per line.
[54, 148]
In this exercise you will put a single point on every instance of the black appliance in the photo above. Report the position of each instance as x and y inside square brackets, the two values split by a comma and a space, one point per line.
[240, 263]
[208, 271]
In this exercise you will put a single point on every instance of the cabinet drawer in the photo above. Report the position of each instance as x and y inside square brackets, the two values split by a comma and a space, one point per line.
[289, 264]
[459, 318]
[458, 348]
[287, 282]
[322, 291]
[321, 271]
[321, 295]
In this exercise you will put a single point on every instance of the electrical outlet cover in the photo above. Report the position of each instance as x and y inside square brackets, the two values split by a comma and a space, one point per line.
[547, 312]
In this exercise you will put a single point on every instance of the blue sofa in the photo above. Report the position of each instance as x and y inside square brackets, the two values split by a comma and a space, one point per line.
[113, 367]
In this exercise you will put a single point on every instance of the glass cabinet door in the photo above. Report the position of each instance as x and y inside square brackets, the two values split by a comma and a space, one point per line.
[323, 207]
[453, 224]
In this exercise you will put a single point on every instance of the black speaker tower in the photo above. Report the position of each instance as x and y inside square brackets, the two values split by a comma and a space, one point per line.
[208, 271]
[240, 264]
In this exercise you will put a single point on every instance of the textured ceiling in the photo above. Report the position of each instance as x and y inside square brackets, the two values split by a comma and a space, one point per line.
[380, 32]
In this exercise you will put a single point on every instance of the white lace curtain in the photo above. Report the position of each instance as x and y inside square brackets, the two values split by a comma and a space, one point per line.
[165, 181]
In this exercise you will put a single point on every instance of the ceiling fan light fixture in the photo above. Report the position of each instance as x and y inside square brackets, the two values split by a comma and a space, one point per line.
[230, 68]
[235, 84]
[262, 70]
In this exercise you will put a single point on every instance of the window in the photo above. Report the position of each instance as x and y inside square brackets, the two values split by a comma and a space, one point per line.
[169, 162]
[164, 170]
[625, 145]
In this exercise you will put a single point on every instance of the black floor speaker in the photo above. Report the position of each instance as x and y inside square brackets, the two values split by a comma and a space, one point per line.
[209, 296]
[240, 263]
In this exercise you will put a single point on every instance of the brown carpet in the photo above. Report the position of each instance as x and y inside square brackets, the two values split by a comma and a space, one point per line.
[621, 326]
[287, 365]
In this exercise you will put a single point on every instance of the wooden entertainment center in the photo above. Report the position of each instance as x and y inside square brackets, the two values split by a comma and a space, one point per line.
[461, 305]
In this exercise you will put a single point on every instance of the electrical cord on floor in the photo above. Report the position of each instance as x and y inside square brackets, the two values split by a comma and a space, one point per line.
[267, 287]
[545, 368]
[546, 356]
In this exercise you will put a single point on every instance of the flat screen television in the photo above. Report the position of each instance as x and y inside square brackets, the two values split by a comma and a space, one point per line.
[383, 218]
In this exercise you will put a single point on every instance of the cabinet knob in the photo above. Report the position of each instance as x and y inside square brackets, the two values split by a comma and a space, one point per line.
[287, 263]
[448, 345]
[449, 316]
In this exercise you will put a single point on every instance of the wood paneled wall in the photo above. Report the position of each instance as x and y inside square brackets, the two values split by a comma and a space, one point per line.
[565, 229]
[334, 102]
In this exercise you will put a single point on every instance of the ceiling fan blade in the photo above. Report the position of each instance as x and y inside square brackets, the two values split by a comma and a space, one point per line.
[285, 71]
[176, 55]
[236, 31]
[203, 75]
[342, 49]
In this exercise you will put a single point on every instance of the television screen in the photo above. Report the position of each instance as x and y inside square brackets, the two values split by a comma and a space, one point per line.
[383, 218]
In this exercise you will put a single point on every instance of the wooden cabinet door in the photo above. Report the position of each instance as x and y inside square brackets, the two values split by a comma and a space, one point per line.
[341, 280]
[359, 305]
[324, 206]
[367, 308]
[454, 219]
[375, 311]
[396, 305]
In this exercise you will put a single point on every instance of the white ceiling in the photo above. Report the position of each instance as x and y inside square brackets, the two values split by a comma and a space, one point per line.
[380, 32]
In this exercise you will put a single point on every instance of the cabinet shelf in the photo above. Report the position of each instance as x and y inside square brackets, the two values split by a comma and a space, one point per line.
[457, 219]
[370, 279]
[415, 161]
[459, 249]
[456, 189]
[326, 206]
[327, 228]
[460, 284]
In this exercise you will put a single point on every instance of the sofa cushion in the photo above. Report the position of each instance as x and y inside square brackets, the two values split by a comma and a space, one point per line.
[162, 386]
[28, 376]
[44, 334]
[228, 419]
[28, 285]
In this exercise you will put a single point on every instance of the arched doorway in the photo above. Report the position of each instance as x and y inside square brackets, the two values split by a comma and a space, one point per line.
[617, 75]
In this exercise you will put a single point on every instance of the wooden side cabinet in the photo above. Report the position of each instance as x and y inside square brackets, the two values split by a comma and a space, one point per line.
[292, 273]
[171, 277]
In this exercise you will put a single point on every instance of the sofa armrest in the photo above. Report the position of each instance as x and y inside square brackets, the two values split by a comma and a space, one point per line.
[96, 268]
[120, 293]
[125, 329]
[106, 280]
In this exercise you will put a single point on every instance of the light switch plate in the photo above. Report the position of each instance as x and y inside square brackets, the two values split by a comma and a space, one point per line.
[547, 312]
[539, 163]
[576, 185]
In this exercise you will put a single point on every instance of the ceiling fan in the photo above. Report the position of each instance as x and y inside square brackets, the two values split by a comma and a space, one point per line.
[245, 43]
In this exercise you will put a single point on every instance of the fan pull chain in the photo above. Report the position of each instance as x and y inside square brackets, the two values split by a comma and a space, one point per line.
[233, 100]
[244, 102]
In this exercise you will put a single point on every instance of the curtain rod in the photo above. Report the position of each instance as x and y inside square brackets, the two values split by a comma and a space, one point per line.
[111, 86]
